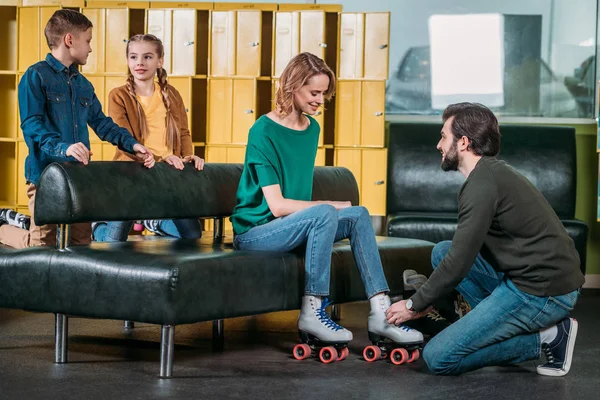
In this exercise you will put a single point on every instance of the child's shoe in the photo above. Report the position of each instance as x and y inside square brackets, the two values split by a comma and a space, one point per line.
[559, 352]
[153, 226]
[13, 218]
[378, 325]
[315, 321]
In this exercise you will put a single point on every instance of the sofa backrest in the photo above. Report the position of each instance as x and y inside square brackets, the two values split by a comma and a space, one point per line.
[546, 155]
[117, 191]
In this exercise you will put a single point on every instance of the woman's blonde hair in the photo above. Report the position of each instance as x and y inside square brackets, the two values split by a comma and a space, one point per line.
[295, 75]
[173, 138]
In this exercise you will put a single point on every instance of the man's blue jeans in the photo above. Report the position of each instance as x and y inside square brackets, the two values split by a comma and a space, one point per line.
[318, 227]
[501, 329]
[117, 231]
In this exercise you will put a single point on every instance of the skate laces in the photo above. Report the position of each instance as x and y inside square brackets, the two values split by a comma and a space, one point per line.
[324, 318]
[548, 353]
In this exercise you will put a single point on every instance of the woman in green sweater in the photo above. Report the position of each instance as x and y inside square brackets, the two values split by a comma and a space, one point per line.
[274, 210]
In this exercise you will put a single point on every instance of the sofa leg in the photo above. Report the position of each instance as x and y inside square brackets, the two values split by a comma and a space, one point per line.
[218, 335]
[61, 333]
[336, 312]
[128, 325]
[167, 347]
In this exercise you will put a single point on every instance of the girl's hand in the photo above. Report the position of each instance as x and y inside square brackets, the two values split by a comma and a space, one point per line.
[198, 162]
[339, 205]
[144, 155]
[175, 161]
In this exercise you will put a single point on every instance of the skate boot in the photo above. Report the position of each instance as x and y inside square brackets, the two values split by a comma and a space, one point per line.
[401, 342]
[432, 323]
[320, 336]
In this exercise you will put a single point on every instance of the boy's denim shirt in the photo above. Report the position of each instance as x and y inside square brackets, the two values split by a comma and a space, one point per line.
[56, 104]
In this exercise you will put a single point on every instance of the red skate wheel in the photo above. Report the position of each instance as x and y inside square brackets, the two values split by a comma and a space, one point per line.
[328, 354]
[301, 351]
[414, 355]
[399, 356]
[343, 354]
[372, 353]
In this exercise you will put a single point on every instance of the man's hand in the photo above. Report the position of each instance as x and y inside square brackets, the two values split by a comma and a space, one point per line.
[198, 162]
[79, 152]
[339, 205]
[144, 155]
[175, 161]
[398, 313]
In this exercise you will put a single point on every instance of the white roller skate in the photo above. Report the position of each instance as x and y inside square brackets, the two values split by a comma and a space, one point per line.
[402, 343]
[320, 336]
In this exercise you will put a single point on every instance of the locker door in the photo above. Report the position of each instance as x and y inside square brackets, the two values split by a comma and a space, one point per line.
[111, 82]
[45, 14]
[95, 62]
[108, 151]
[377, 34]
[236, 155]
[29, 38]
[243, 110]
[216, 154]
[182, 84]
[247, 56]
[184, 48]
[351, 40]
[351, 159]
[222, 59]
[372, 113]
[219, 111]
[320, 159]
[373, 184]
[160, 25]
[22, 152]
[312, 32]
[347, 110]
[117, 34]
[287, 40]
[96, 149]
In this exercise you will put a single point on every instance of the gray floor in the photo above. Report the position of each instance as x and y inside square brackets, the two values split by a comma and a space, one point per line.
[105, 362]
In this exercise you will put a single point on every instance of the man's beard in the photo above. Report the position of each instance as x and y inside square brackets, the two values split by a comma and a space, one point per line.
[450, 161]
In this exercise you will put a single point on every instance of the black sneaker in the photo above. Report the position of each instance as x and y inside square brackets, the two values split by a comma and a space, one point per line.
[430, 324]
[11, 217]
[153, 226]
[559, 352]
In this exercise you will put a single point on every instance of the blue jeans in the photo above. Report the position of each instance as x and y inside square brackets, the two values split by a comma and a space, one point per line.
[501, 329]
[318, 227]
[117, 231]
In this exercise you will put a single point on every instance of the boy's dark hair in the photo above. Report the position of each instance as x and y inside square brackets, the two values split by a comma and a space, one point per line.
[476, 122]
[65, 21]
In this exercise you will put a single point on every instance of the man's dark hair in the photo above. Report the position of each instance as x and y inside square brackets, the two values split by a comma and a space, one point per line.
[65, 21]
[476, 122]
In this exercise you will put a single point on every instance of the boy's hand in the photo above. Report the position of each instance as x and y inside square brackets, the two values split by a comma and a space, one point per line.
[79, 152]
[175, 161]
[198, 162]
[144, 155]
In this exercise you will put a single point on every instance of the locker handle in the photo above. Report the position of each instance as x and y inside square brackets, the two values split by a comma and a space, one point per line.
[254, 44]
[383, 46]
[323, 45]
[191, 42]
[379, 183]
[378, 114]
[248, 111]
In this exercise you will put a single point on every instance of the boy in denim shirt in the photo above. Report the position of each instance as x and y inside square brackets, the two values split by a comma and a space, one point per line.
[56, 104]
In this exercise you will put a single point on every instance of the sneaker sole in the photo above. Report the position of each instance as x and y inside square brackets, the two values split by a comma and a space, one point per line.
[569, 356]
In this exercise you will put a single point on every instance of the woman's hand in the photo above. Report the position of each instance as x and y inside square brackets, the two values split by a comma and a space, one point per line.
[175, 161]
[339, 205]
[198, 162]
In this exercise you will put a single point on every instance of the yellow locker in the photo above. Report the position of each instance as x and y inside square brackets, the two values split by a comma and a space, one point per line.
[96, 149]
[22, 152]
[108, 151]
[184, 32]
[347, 113]
[235, 43]
[29, 37]
[373, 180]
[8, 106]
[297, 32]
[95, 61]
[320, 159]
[160, 25]
[111, 82]
[243, 110]
[8, 174]
[23, 210]
[9, 34]
[351, 45]
[219, 111]
[98, 83]
[182, 84]
[45, 14]
[225, 154]
[372, 113]
[377, 36]
[117, 34]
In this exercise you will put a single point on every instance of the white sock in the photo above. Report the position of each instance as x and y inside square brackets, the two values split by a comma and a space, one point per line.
[549, 334]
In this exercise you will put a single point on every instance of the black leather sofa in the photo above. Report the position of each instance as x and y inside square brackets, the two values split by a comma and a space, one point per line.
[422, 200]
[172, 282]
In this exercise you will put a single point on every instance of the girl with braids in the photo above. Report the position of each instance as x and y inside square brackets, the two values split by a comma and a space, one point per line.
[154, 113]
[274, 211]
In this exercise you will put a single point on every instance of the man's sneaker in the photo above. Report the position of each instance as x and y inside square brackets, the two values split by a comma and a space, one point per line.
[431, 324]
[315, 321]
[153, 226]
[559, 352]
[11, 217]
